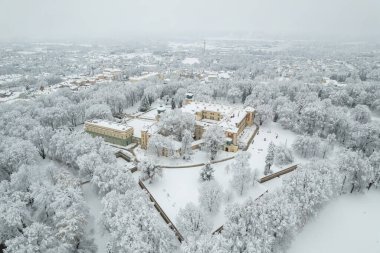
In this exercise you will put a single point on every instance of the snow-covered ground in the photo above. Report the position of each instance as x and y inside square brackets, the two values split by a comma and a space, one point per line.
[349, 224]
[258, 149]
[11, 97]
[178, 187]
[94, 227]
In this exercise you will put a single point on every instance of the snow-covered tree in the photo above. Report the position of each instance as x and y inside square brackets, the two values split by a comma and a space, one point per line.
[88, 163]
[134, 225]
[175, 122]
[98, 111]
[242, 174]
[40, 137]
[374, 159]
[203, 244]
[14, 214]
[282, 155]
[112, 176]
[210, 196]
[37, 238]
[308, 146]
[149, 170]
[269, 159]
[163, 146]
[234, 94]
[207, 172]
[13, 153]
[361, 114]
[192, 222]
[357, 170]
[264, 113]
[213, 140]
[287, 115]
[144, 104]
[186, 148]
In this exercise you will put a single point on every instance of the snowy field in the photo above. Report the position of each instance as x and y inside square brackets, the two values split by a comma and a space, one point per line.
[258, 149]
[349, 224]
[178, 187]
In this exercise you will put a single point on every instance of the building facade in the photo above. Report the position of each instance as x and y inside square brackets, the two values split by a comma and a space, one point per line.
[111, 132]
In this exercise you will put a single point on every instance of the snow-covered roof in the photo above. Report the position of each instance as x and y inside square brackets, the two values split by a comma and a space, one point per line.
[224, 75]
[109, 124]
[190, 61]
[230, 123]
[202, 106]
[231, 115]
[138, 125]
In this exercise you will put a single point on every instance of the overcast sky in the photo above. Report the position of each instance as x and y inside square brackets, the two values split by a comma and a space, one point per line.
[81, 19]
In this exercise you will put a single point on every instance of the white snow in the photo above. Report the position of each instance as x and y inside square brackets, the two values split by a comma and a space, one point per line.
[109, 124]
[142, 77]
[259, 147]
[138, 125]
[180, 186]
[95, 206]
[190, 61]
[349, 224]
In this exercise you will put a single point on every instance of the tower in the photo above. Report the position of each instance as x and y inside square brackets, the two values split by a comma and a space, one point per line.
[188, 99]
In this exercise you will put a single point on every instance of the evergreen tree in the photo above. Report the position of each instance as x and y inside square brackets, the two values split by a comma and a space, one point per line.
[269, 159]
[207, 172]
[144, 105]
[173, 104]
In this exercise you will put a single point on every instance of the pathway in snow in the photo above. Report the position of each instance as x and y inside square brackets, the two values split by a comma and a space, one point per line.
[349, 224]
[95, 207]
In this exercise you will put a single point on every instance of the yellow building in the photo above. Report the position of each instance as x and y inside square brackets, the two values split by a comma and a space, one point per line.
[113, 132]
[232, 120]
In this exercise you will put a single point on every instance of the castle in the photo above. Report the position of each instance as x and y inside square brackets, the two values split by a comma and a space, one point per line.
[233, 120]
